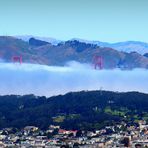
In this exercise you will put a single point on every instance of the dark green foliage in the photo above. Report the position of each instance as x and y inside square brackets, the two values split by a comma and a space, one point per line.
[79, 46]
[81, 110]
[36, 42]
[146, 55]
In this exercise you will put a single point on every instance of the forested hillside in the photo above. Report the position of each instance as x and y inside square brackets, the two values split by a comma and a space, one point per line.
[79, 110]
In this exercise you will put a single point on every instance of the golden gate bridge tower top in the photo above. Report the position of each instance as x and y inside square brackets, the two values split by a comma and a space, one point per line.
[98, 62]
[17, 59]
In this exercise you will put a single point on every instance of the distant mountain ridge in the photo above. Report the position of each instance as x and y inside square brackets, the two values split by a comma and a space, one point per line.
[127, 46]
[47, 39]
[72, 50]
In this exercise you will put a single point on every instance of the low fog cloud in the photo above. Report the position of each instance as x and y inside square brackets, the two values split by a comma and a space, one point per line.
[52, 80]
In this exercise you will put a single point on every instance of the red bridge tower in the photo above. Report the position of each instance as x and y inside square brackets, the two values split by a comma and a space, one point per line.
[98, 62]
[17, 59]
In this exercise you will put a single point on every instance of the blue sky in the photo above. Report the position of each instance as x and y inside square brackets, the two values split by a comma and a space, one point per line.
[104, 20]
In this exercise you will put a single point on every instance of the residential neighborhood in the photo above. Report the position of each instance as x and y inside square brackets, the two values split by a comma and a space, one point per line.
[121, 135]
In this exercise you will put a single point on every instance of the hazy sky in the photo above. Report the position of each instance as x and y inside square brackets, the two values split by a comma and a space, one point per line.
[104, 20]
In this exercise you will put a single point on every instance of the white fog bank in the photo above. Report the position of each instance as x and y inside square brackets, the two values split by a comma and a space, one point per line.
[52, 80]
